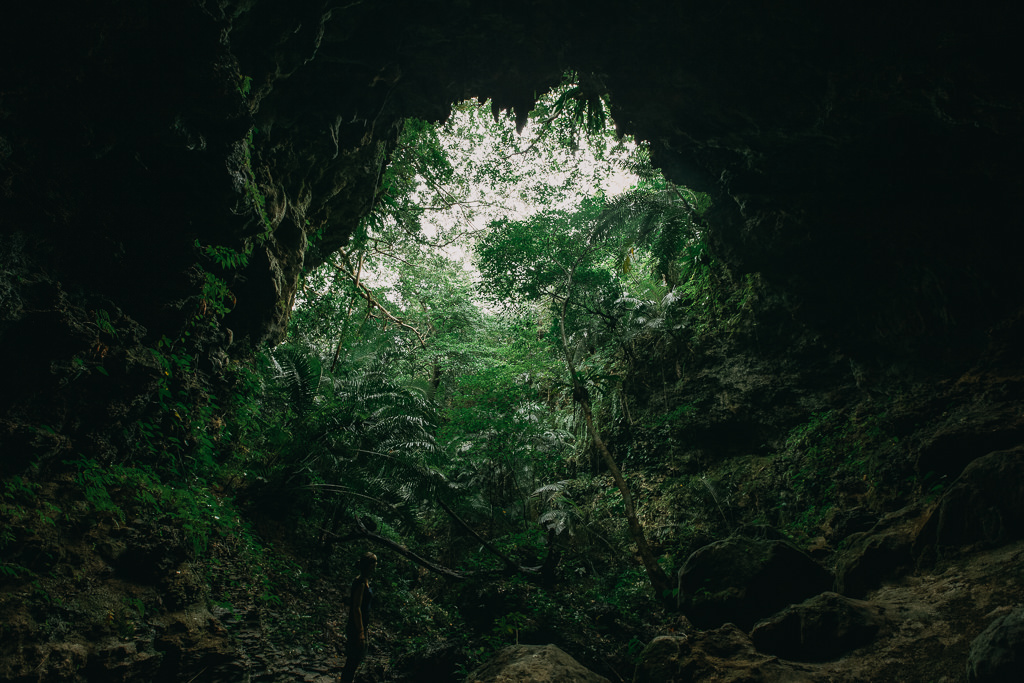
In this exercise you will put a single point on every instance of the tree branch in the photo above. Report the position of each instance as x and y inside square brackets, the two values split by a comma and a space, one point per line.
[510, 564]
[362, 532]
[363, 292]
[532, 574]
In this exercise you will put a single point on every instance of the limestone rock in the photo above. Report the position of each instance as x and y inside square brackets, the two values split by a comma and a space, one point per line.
[819, 629]
[742, 580]
[997, 654]
[970, 431]
[61, 661]
[432, 664]
[886, 551]
[724, 654]
[981, 509]
[193, 641]
[534, 664]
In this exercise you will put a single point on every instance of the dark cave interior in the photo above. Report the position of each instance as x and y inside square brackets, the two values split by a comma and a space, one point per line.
[864, 158]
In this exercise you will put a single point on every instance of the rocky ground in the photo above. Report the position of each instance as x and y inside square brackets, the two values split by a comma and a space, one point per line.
[932, 617]
[923, 627]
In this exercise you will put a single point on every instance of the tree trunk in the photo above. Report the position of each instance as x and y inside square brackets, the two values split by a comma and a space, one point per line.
[435, 375]
[659, 580]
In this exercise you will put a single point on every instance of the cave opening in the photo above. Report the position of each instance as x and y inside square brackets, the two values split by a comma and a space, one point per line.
[814, 378]
[445, 184]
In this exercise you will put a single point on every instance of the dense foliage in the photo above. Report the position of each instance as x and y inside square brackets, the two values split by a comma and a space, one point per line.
[448, 374]
[484, 386]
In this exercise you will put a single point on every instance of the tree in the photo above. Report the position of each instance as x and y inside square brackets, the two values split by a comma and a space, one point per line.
[562, 257]
[398, 290]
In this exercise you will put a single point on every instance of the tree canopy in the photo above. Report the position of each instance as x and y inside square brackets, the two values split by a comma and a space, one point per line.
[485, 311]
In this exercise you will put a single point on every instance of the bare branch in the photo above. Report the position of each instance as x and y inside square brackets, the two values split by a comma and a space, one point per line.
[372, 302]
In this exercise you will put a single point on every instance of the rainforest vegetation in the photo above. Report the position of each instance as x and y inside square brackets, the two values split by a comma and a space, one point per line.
[491, 386]
[452, 376]
[677, 338]
[450, 395]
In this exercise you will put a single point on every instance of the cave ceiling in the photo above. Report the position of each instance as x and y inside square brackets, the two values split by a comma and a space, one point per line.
[864, 158]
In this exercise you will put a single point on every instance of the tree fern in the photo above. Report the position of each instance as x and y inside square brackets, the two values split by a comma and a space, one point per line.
[296, 374]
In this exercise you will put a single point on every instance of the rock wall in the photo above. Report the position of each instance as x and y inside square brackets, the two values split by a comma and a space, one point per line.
[863, 159]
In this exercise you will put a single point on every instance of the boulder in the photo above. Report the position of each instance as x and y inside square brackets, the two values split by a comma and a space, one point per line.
[743, 580]
[819, 629]
[997, 654]
[61, 661]
[194, 643]
[971, 431]
[724, 654]
[533, 664]
[115, 660]
[980, 510]
[884, 552]
[432, 664]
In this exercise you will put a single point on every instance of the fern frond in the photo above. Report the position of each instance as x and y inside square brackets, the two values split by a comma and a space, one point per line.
[424, 388]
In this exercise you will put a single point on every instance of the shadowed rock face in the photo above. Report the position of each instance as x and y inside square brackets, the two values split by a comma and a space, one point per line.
[863, 159]
[981, 508]
[723, 654]
[824, 627]
[743, 580]
[995, 654]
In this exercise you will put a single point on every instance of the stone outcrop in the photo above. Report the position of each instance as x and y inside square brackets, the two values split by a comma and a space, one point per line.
[883, 552]
[997, 654]
[188, 643]
[723, 654]
[980, 509]
[822, 628]
[743, 580]
[533, 664]
[982, 426]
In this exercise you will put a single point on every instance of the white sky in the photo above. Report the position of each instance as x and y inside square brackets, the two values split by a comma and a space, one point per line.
[472, 141]
[613, 178]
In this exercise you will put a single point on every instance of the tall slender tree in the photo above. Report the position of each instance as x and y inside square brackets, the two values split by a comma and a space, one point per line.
[562, 257]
